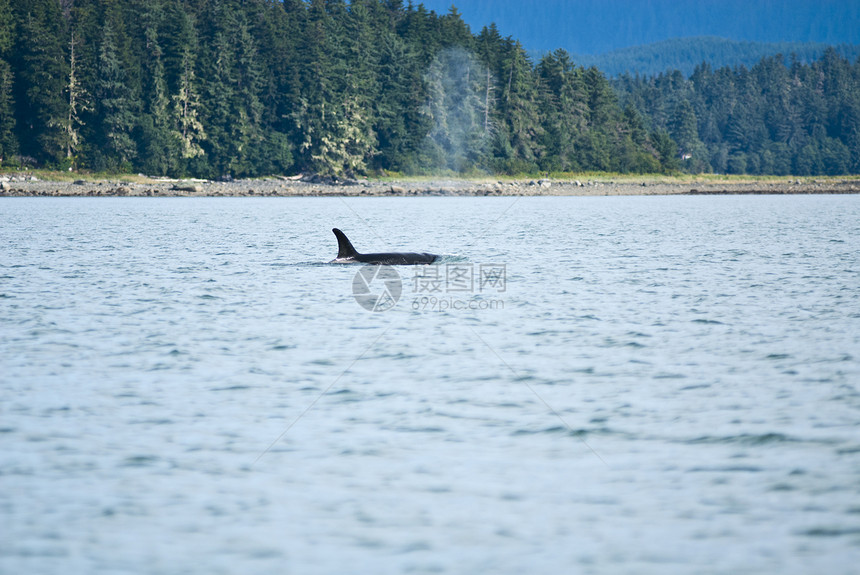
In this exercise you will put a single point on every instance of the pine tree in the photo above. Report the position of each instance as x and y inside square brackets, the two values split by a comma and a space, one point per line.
[115, 106]
[77, 104]
[684, 130]
[851, 130]
[39, 72]
[453, 31]
[358, 66]
[563, 100]
[186, 104]
[218, 101]
[309, 116]
[398, 131]
[490, 50]
[517, 146]
[420, 30]
[8, 141]
[232, 108]
[667, 151]
[159, 147]
[180, 54]
[85, 23]
[248, 135]
[333, 117]
[277, 28]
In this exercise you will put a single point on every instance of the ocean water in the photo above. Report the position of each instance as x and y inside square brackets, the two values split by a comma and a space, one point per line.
[581, 385]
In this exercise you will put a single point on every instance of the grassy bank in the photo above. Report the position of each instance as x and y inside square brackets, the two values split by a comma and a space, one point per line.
[392, 178]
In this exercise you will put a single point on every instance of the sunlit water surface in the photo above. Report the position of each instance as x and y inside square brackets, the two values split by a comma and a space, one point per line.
[659, 384]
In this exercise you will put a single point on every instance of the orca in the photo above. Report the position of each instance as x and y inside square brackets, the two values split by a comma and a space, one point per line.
[346, 254]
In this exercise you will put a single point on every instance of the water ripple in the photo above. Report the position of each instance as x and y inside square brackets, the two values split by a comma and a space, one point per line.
[188, 385]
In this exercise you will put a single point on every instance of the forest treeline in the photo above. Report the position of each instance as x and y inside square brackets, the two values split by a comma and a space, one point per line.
[211, 88]
[777, 117]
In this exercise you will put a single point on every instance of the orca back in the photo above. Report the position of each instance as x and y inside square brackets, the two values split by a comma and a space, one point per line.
[346, 253]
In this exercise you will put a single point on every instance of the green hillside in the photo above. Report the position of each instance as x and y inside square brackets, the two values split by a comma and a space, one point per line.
[245, 88]
[684, 54]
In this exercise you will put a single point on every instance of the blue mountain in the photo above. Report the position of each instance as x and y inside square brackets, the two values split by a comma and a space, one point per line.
[600, 26]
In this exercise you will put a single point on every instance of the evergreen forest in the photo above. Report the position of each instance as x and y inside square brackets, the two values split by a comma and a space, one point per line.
[240, 88]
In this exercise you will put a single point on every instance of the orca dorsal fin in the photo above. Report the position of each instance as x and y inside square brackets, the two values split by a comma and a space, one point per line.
[344, 246]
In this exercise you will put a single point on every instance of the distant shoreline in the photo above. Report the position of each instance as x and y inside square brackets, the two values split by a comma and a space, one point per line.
[27, 186]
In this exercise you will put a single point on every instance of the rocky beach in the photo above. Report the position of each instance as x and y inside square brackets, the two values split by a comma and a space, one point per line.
[12, 185]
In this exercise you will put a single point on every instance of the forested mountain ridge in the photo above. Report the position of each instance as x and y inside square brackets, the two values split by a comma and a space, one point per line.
[684, 54]
[212, 88]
